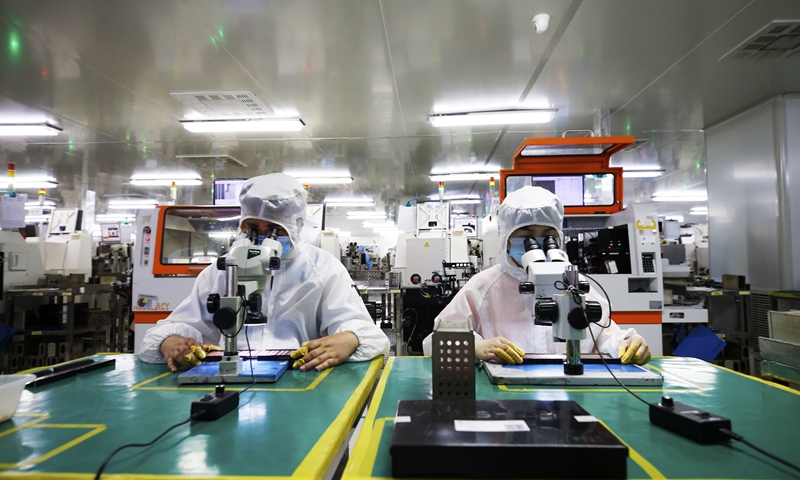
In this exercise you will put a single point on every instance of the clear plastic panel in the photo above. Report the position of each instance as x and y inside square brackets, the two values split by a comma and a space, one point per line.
[198, 235]
[572, 190]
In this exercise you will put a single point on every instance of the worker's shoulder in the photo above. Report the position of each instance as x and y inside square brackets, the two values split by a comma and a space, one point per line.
[485, 278]
[320, 257]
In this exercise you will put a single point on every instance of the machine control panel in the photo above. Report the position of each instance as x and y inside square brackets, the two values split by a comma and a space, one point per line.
[146, 245]
[648, 263]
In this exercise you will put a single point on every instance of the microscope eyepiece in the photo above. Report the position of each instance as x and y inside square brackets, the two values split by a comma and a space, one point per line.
[252, 235]
[531, 244]
[550, 243]
[272, 233]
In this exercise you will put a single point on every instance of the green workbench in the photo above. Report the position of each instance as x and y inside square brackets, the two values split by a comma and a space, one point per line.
[763, 413]
[290, 429]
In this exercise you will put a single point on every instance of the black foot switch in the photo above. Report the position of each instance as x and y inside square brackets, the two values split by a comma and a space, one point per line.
[688, 421]
[214, 405]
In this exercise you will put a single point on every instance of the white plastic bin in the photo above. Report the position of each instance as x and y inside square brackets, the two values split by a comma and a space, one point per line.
[11, 387]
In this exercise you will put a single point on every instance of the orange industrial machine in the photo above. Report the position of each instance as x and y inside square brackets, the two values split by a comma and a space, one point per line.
[174, 244]
[622, 245]
[575, 168]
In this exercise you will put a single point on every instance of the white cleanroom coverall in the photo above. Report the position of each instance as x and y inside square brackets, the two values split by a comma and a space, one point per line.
[311, 296]
[491, 299]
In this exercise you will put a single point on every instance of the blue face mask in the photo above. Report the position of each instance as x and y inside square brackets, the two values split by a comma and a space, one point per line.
[286, 242]
[517, 249]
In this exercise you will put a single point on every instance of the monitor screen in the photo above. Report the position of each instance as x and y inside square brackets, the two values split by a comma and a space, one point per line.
[574, 190]
[226, 190]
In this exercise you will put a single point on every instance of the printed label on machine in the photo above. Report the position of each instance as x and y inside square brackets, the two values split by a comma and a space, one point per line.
[146, 302]
[491, 426]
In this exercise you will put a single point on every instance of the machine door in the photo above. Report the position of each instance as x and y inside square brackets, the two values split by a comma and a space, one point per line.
[188, 238]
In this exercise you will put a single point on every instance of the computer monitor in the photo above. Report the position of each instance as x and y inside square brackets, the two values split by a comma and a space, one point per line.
[226, 190]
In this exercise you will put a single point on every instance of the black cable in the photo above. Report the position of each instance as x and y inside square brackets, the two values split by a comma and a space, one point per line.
[252, 375]
[739, 438]
[108, 459]
[608, 299]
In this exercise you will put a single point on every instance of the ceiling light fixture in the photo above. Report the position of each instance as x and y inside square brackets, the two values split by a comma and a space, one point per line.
[464, 201]
[466, 176]
[642, 173]
[165, 180]
[351, 215]
[675, 197]
[131, 204]
[332, 180]
[31, 183]
[495, 117]
[450, 198]
[28, 130]
[255, 125]
[349, 203]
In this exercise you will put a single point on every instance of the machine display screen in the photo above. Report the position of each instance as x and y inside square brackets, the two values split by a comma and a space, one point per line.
[573, 190]
[226, 191]
[192, 235]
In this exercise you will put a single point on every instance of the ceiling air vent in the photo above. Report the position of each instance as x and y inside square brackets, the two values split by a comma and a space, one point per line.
[225, 104]
[210, 159]
[779, 39]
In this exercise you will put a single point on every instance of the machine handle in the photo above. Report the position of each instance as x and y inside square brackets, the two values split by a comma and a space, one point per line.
[590, 132]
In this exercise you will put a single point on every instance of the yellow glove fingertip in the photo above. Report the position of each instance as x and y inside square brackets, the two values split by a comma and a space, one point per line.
[299, 363]
[519, 351]
[502, 354]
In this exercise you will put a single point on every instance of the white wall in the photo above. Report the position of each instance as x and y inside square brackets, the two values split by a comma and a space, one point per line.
[752, 165]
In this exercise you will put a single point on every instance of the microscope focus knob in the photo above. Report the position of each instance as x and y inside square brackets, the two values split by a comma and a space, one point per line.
[594, 311]
[254, 302]
[212, 303]
[527, 287]
[546, 312]
[221, 264]
[225, 318]
[577, 319]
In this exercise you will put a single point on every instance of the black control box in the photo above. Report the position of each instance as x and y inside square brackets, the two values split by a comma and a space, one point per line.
[688, 421]
[215, 405]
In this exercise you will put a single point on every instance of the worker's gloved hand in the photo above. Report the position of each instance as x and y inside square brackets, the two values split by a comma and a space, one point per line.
[212, 348]
[500, 350]
[634, 350]
[177, 351]
[325, 352]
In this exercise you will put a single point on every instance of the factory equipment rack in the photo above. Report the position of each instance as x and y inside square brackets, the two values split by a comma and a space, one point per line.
[51, 319]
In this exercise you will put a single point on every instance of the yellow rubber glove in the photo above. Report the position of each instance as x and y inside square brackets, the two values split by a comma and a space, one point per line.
[513, 355]
[191, 358]
[299, 363]
[212, 348]
[625, 356]
[300, 352]
[198, 352]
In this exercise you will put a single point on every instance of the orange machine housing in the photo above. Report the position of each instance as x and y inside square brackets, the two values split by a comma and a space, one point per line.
[570, 155]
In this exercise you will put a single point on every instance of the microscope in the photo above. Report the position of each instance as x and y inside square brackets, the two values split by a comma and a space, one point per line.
[248, 267]
[560, 297]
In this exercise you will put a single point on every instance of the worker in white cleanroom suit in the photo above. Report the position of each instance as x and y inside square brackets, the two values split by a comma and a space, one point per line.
[501, 317]
[310, 299]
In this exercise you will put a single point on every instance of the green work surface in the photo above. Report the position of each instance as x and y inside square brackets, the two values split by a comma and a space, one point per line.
[763, 413]
[291, 428]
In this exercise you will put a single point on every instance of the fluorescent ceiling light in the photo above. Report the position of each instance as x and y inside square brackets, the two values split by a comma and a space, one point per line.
[456, 177]
[349, 203]
[642, 173]
[465, 201]
[332, 180]
[227, 219]
[229, 234]
[351, 215]
[256, 125]
[699, 211]
[28, 130]
[115, 216]
[378, 224]
[675, 197]
[131, 204]
[497, 117]
[31, 184]
[451, 198]
[159, 182]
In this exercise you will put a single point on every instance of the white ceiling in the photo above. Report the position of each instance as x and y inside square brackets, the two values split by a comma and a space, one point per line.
[363, 76]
